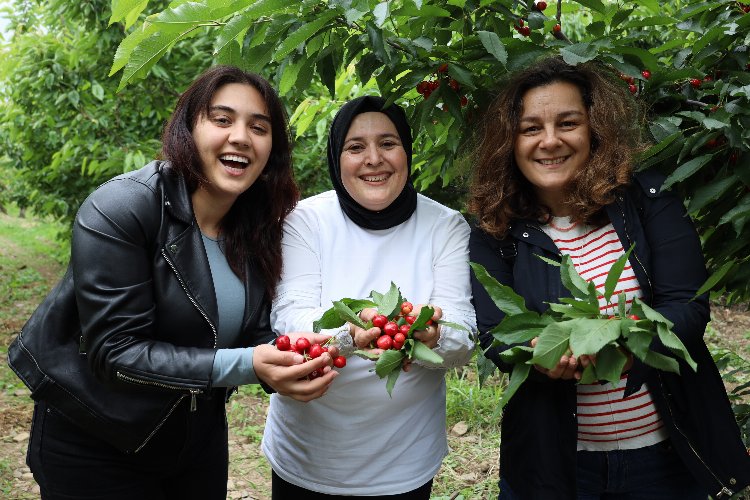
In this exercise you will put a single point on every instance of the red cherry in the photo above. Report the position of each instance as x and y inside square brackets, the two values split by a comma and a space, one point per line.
[714, 109]
[427, 93]
[302, 345]
[455, 86]
[397, 345]
[633, 88]
[541, 5]
[442, 68]
[399, 338]
[407, 307]
[283, 343]
[556, 28]
[712, 143]
[464, 101]
[379, 321]
[646, 74]
[410, 319]
[384, 342]
[390, 328]
[520, 22]
[339, 362]
[403, 330]
[525, 31]
[634, 317]
[315, 351]
[695, 82]
[422, 87]
[315, 374]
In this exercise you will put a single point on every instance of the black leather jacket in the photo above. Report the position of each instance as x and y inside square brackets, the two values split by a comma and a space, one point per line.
[538, 449]
[139, 296]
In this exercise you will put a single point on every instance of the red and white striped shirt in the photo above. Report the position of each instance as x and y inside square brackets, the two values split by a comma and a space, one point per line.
[606, 421]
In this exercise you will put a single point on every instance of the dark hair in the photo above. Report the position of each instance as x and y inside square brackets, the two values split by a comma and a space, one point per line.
[499, 192]
[252, 228]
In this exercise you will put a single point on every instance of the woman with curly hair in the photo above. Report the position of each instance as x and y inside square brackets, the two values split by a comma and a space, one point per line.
[554, 175]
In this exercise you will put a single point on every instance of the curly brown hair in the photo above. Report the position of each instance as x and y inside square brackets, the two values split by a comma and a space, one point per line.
[499, 193]
[253, 227]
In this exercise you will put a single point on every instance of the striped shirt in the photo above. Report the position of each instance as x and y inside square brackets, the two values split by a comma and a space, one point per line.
[606, 421]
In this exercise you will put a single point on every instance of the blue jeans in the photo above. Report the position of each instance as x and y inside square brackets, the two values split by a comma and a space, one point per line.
[650, 473]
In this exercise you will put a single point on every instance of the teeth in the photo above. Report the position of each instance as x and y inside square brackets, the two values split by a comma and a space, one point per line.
[375, 178]
[239, 159]
[554, 161]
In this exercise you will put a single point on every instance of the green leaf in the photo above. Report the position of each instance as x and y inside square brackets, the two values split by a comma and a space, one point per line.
[97, 91]
[716, 277]
[347, 314]
[589, 375]
[674, 344]
[391, 382]
[455, 326]
[389, 361]
[122, 9]
[493, 45]
[330, 319]
[146, 54]
[571, 280]
[381, 13]
[425, 315]
[520, 328]
[127, 46]
[503, 296]
[585, 308]
[589, 336]
[389, 303]
[517, 354]
[613, 276]
[712, 191]
[609, 363]
[424, 353]
[638, 342]
[685, 170]
[553, 343]
[485, 367]
[365, 354]
[579, 53]
[596, 5]
[517, 377]
[302, 34]
[661, 362]
[647, 312]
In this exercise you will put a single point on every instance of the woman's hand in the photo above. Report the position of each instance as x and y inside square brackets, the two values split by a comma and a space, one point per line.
[569, 366]
[430, 336]
[286, 371]
[363, 338]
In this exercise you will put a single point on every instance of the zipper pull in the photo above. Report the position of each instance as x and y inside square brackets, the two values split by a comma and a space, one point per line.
[193, 400]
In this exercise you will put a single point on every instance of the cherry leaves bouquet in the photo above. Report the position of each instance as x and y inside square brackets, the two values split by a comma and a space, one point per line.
[574, 324]
[397, 326]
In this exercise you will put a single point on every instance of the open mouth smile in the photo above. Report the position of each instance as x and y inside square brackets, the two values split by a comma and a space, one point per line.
[375, 178]
[234, 163]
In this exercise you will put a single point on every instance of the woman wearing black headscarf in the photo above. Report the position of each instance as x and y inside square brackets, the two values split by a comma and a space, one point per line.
[371, 230]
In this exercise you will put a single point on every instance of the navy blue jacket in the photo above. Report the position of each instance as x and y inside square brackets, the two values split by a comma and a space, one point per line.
[539, 429]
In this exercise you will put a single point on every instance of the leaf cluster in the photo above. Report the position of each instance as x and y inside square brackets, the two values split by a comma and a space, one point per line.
[388, 364]
[575, 326]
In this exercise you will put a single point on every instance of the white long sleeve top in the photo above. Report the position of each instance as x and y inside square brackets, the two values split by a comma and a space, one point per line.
[356, 439]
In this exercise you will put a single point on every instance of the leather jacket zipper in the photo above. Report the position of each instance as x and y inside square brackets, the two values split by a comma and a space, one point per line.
[191, 299]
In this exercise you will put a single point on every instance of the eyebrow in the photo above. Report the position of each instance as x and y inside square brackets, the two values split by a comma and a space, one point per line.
[229, 109]
[381, 136]
[564, 114]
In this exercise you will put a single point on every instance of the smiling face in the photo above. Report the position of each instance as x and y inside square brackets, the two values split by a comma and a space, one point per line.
[234, 143]
[374, 167]
[553, 140]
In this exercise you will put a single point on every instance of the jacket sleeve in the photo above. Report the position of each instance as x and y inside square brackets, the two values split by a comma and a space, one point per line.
[484, 251]
[677, 267]
[112, 257]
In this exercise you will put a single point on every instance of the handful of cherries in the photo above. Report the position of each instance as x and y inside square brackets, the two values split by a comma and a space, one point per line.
[308, 351]
[397, 325]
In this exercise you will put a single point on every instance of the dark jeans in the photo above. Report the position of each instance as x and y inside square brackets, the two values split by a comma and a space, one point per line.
[284, 490]
[187, 458]
[650, 473]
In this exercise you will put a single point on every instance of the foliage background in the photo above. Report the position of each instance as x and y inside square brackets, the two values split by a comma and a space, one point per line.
[67, 123]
